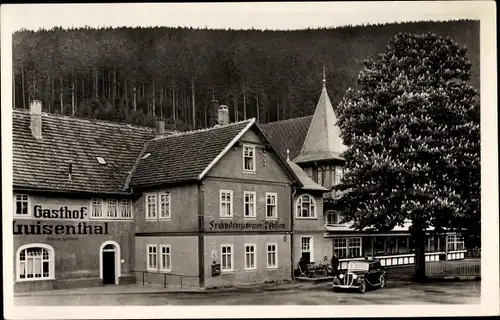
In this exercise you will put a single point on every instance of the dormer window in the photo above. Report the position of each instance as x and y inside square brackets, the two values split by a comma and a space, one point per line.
[101, 160]
[249, 158]
[333, 218]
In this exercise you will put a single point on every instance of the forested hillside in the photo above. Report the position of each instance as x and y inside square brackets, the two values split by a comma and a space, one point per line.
[138, 74]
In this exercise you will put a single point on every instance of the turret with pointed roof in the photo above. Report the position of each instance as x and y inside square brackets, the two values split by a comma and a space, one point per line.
[323, 140]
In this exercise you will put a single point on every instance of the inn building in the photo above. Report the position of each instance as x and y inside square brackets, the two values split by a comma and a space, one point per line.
[99, 202]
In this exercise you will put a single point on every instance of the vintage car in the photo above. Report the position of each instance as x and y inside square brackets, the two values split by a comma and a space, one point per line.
[361, 275]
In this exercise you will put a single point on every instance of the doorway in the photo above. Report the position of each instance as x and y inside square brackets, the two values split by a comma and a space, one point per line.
[110, 262]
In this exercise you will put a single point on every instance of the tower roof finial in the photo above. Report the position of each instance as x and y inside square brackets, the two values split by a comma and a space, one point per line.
[324, 77]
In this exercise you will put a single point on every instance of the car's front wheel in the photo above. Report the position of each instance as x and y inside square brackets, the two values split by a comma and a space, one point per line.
[382, 281]
[362, 286]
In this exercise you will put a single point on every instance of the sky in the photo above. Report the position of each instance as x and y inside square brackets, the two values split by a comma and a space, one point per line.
[294, 15]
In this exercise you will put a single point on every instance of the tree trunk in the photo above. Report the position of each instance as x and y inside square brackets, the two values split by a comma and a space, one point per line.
[173, 103]
[244, 102]
[22, 87]
[53, 93]
[205, 118]
[154, 100]
[103, 80]
[113, 89]
[161, 102]
[14, 89]
[96, 88]
[135, 98]
[72, 97]
[193, 103]
[126, 94]
[235, 97]
[61, 92]
[278, 110]
[257, 107]
[83, 90]
[419, 239]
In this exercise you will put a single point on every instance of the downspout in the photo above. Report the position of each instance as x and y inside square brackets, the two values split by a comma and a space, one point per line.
[201, 235]
[294, 191]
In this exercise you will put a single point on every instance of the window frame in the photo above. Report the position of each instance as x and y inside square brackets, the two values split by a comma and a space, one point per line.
[254, 253]
[117, 208]
[148, 267]
[123, 206]
[271, 194]
[230, 203]
[254, 214]
[251, 147]
[334, 214]
[347, 247]
[102, 205]
[311, 247]
[50, 260]
[299, 202]
[28, 204]
[146, 205]
[275, 266]
[169, 254]
[169, 196]
[226, 254]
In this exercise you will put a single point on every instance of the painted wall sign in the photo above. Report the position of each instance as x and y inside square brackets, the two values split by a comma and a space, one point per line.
[214, 254]
[247, 226]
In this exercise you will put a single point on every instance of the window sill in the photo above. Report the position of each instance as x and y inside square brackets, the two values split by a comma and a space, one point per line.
[165, 219]
[272, 268]
[249, 171]
[22, 217]
[251, 270]
[226, 218]
[166, 271]
[306, 218]
[272, 218]
[250, 218]
[35, 279]
[227, 272]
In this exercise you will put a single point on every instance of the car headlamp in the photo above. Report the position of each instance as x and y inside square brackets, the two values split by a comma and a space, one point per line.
[354, 276]
[341, 276]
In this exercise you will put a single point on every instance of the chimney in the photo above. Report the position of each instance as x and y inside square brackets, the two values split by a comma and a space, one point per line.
[36, 119]
[214, 110]
[160, 127]
[223, 115]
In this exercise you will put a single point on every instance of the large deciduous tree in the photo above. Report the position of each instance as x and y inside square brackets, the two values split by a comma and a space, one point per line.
[412, 132]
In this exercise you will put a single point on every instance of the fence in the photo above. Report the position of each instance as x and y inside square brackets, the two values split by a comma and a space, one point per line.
[166, 279]
[459, 268]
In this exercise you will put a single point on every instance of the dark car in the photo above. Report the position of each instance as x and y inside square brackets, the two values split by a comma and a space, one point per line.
[361, 275]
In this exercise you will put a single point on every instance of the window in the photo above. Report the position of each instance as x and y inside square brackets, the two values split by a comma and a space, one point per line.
[249, 204]
[271, 205]
[112, 208]
[272, 261]
[250, 263]
[347, 247]
[455, 243]
[306, 207]
[126, 208]
[35, 262]
[340, 247]
[306, 249]
[333, 218]
[226, 203]
[96, 208]
[150, 206]
[165, 258]
[354, 245]
[248, 158]
[164, 205]
[227, 257]
[152, 258]
[339, 173]
[22, 205]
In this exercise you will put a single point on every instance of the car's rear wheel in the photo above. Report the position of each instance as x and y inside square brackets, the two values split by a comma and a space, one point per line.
[362, 286]
[382, 281]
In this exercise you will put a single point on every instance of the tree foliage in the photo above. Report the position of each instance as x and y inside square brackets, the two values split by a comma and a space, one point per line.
[141, 74]
[412, 132]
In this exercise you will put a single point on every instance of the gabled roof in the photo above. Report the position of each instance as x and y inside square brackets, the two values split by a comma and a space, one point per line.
[185, 156]
[306, 182]
[323, 140]
[44, 164]
[287, 134]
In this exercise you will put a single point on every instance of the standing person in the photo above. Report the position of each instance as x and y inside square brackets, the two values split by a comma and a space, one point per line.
[335, 263]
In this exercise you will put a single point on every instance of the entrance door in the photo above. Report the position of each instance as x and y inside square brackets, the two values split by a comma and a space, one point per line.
[108, 265]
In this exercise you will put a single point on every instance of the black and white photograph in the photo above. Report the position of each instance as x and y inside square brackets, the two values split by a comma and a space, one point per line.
[298, 159]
